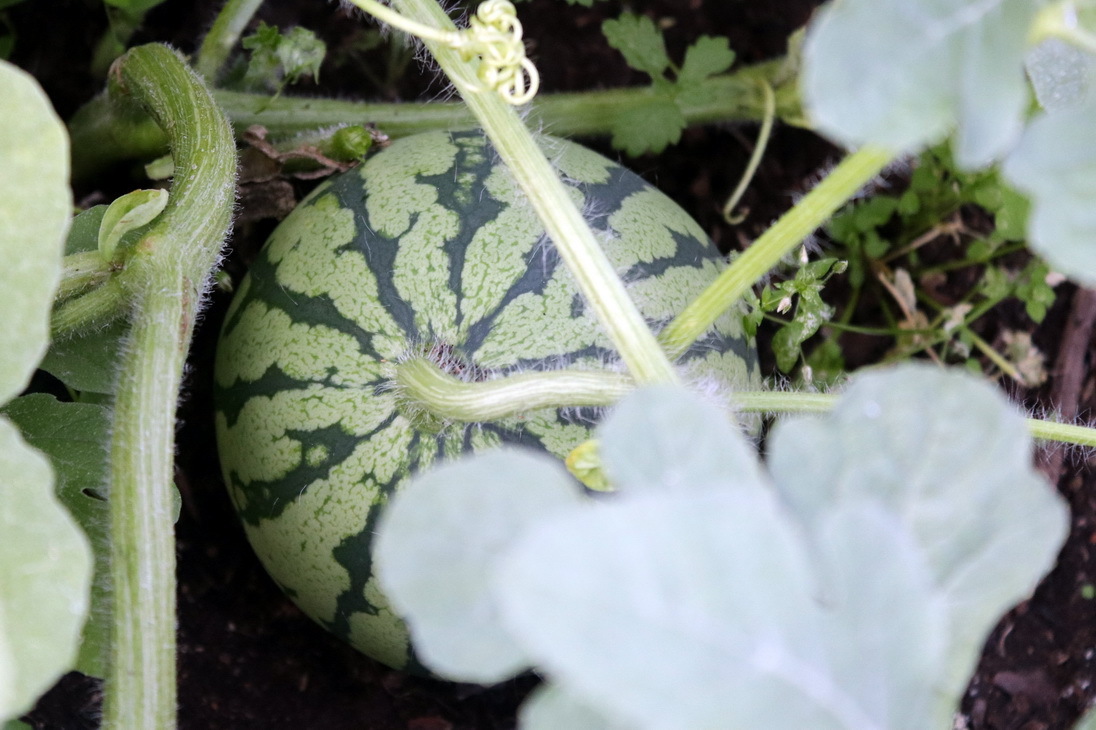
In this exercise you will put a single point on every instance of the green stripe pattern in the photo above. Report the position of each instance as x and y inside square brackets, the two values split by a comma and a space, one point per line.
[429, 248]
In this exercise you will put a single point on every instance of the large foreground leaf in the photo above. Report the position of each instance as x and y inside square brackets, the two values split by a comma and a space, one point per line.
[35, 207]
[74, 436]
[437, 546]
[901, 74]
[45, 572]
[952, 461]
[1055, 164]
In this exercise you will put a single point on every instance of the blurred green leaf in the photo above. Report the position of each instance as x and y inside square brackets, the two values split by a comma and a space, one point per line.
[639, 41]
[902, 74]
[706, 57]
[1053, 165]
[35, 209]
[650, 129]
[664, 439]
[952, 458]
[45, 575]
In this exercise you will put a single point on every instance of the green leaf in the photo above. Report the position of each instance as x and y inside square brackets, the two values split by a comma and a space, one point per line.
[650, 129]
[436, 549]
[45, 574]
[902, 74]
[128, 213]
[639, 41]
[83, 233]
[300, 54]
[948, 455]
[35, 208]
[277, 57]
[706, 57]
[1055, 165]
[88, 363]
[75, 437]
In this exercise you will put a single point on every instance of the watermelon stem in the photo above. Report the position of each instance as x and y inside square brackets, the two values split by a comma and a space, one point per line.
[771, 402]
[789, 231]
[103, 134]
[166, 277]
[596, 279]
[425, 388]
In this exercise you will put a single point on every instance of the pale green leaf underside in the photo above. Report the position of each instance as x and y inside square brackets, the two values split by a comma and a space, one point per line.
[75, 438]
[437, 546]
[1061, 74]
[35, 207]
[664, 439]
[923, 522]
[1055, 165]
[672, 610]
[951, 459]
[901, 74]
[45, 573]
[550, 707]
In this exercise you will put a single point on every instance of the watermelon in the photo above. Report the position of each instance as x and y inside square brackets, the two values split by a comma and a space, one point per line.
[429, 249]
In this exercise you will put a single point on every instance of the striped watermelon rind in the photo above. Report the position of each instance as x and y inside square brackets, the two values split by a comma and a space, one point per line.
[428, 249]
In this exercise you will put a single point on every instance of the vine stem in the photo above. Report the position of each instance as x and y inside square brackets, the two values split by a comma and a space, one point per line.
[103, 134]
[578, 247]
[448, 398]
[445, 397]
[166, 277]
[816, 207]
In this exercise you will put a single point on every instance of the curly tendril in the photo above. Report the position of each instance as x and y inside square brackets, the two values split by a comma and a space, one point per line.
[493, 35]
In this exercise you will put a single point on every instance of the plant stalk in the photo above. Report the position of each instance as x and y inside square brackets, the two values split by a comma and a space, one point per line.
[816, 207]
[104, 134]
[166, 276]
[424, 385]
[578, 247]
[448, 398]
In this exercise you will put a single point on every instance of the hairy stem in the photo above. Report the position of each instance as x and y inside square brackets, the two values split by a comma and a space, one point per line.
[597, 281]
[425, 386]
[776, 402]
[82, 271]
[103, 133]
[166, 277]
[816, 207]
[97, 308]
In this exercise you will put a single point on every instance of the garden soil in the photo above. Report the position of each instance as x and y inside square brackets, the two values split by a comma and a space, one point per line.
[249, 659]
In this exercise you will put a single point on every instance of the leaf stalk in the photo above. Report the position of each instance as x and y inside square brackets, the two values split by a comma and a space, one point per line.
[166, 276]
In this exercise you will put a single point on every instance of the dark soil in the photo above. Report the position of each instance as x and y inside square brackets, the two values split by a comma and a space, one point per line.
[249, 659]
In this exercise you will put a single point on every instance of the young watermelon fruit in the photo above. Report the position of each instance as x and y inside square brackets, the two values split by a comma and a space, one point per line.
[428, 249]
